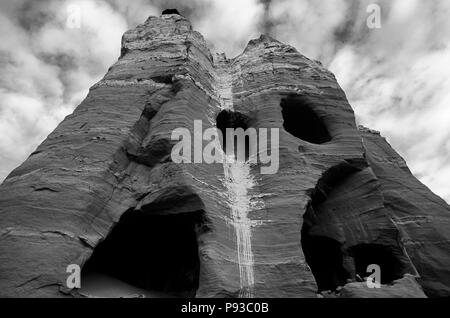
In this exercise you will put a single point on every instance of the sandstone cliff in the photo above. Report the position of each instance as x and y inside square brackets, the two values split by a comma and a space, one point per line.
[102, 191]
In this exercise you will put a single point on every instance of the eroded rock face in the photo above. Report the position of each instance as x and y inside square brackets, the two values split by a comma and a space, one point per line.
[405, 287]
[102, 191]
[421, 216]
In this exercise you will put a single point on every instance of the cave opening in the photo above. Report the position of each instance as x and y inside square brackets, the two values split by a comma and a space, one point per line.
[335, 258]
[145, 254]
[230, 119]
[367, 254]
[325, 258]
[170, 11]
[301, 121]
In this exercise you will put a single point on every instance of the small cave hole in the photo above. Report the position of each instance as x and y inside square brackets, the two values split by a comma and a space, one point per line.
[170, 11]
[301, 121]
[146, 255]
[367, 254]
[163, 79]
[229, 119]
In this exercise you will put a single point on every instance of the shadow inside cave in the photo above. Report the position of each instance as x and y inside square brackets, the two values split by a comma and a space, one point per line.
[333, 260]
[300, 120]
[145, 255]
[325, 258]
[230, 119]
[366, 254]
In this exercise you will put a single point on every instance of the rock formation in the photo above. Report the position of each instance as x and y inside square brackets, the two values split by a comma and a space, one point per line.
[102, 191]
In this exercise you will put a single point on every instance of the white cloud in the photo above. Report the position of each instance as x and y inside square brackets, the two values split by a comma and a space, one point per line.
[397, 79]
[230, 24]
[308, 25]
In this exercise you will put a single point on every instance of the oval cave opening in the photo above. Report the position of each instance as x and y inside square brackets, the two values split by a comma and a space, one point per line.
[146, 255]
[170, 11]
[300, 120]
[234, 120]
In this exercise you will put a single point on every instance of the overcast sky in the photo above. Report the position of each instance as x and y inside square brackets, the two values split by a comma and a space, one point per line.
[397, 78]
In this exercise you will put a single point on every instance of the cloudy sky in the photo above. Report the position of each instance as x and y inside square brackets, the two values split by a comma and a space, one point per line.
[397, 77]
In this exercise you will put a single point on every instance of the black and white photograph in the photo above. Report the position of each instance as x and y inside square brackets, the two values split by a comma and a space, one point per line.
[237, 150]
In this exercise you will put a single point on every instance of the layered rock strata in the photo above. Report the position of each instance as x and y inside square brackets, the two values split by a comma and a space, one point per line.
[102, 191]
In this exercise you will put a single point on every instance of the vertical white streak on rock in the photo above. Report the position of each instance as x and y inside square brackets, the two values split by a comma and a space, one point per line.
[225, 90]
[238, 182]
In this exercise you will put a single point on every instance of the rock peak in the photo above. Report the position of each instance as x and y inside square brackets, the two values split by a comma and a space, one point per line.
[263, 38]
[262, 41]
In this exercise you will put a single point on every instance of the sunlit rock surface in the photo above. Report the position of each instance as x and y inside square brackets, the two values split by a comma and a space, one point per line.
[102, 191]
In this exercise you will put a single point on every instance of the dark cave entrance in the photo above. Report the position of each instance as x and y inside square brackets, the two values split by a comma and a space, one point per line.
[229, 119]
[325, 255]
[170, 11]
[332, 263]
[148, 254]
[366, 254]
[302, 122]
[325, 258]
